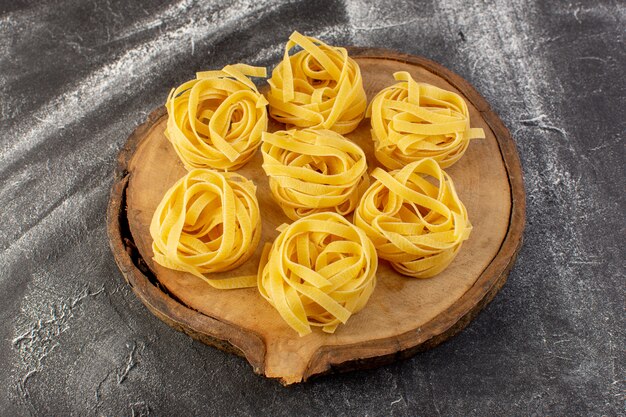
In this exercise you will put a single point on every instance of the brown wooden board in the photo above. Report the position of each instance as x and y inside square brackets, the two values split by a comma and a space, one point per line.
[403, 316]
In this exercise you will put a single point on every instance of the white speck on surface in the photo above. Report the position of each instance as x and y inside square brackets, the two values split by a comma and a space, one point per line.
[131, 362]
[39, 339]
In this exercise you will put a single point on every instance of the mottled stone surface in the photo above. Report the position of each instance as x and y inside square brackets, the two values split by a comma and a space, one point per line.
[76, 77]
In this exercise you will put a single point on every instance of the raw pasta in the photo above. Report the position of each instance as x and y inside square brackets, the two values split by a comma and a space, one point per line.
[412, 121]
[216, 120]
[208, 222]
[319, 86]
[312, 171]
[415, 218]
[319, 271]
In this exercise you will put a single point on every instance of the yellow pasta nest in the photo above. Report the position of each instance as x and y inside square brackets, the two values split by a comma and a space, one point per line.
[412, 121]
[216, 120]
[320, 270]
[319, 86]
[207, 222]
[415, 218]
[312, 171]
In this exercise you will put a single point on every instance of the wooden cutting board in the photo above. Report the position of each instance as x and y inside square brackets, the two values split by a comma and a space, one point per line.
[403, 315]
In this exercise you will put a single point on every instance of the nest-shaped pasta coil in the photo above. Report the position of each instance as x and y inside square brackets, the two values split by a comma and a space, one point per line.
[415, 218]
[319, 271]
[313, 170]
[319, 86]
[208, 222]
[216, 120]
[412, 121]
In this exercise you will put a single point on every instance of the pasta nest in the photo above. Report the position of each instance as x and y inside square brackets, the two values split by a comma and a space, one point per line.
[312, 171]
[207, 222]
[415, 218]
[320, 86]
[412, 121]
[319, 271]
[216, 120]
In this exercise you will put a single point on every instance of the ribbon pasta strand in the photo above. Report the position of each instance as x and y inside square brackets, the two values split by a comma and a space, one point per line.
[415, 225]
[412, 121]
[319, 271]
[208, 222]
[320, 86]
[216, 120]
[312, 171]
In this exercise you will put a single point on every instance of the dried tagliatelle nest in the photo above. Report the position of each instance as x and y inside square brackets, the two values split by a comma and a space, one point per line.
[319, 86]
[216, 120]
[318, 272]
[415, 218]
[314, 170]
[208, 222]
[413, 121]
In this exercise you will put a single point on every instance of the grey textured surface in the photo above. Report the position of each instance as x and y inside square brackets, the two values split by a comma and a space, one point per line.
[76, 77]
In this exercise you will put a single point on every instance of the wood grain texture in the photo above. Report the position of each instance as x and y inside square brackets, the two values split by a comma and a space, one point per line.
[403, 316]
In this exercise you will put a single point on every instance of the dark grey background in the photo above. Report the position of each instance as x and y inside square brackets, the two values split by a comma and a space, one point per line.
[76, 77]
